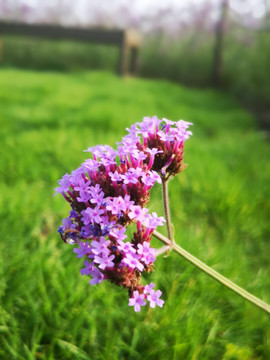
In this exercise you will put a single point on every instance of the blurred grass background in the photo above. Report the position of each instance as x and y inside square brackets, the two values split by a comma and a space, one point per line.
[186, 58]
[220, 211]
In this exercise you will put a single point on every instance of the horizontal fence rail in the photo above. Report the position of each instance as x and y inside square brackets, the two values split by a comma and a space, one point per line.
[126, 40]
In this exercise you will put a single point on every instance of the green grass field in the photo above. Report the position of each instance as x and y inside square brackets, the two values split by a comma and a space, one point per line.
[220, 211]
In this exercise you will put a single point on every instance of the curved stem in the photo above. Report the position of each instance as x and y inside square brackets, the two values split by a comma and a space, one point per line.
[167, 209]
[214, 274]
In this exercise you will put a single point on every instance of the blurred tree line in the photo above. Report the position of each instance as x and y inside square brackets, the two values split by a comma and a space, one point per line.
[233, 54]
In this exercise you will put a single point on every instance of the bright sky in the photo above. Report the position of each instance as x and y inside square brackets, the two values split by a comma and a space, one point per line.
[239, 5]
[257, 7]
[128, 12]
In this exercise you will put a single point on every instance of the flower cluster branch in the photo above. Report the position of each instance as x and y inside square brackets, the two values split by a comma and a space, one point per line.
[109, 192]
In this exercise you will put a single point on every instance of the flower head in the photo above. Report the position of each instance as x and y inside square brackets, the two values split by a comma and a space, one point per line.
[84, 249]
[154, 298]
[109, 192]
[137, 300]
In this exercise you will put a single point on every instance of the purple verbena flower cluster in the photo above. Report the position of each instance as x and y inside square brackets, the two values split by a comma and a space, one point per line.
[109, 192]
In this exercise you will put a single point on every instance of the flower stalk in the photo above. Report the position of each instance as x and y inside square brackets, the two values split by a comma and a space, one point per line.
[167, 210]
[213, 273]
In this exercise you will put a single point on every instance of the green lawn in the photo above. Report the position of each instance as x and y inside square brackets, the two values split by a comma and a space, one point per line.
[220, 211]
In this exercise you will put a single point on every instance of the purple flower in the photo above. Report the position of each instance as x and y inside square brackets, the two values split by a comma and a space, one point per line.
[107, 162]
[68, 223]
[131, 260]
[154, 175]
[133, 130]
[154, 300]
[152, 221]
[92, 215]
[115, 177]
[118, 204]
[166, 137]
[88, 268]
[84, 249]
[182, 126]
[150, 178]
[119, 233]
[139, 155]
[148, 181]
[91, 166]
[137, 300]
[83, 188]
[97, 195]
[137, 212]
[127, 203]
[168, 122]
[154, 151]
[130, 177]
[108, 192]
[100, 247]
[148, 288]
[97, 276]
[102, 151]
[149, 125]
[104, 262]
[127, 147]
[115, 205]
[137, 171]
[64, 184]
[126, 247]
[76, 176]
[147, 254]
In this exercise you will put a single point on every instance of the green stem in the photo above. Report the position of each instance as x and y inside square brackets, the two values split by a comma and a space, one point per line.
[214, 274]
[167, 209]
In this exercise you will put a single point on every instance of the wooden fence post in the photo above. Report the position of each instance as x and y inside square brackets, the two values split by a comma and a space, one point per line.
[219, 44]
[128, 58]
[123, 54]
[1, 48]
